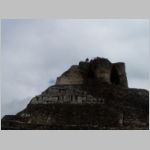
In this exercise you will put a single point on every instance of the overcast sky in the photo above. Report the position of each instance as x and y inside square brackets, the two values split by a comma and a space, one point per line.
[35, 52]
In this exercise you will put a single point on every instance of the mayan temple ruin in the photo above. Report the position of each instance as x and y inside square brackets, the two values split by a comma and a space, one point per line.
[91, 95]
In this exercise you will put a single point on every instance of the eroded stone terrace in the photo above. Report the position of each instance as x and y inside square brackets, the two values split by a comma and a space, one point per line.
[66, 94]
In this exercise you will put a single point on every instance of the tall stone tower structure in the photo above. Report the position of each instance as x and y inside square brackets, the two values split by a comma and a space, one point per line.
[95, 71]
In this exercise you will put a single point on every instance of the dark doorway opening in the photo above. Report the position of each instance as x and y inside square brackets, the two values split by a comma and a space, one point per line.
[114, 77]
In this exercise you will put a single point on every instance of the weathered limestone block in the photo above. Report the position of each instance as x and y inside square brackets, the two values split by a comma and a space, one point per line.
[70, 77]
[25, 115]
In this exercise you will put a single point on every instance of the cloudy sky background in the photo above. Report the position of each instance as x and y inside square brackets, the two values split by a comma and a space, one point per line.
[35, 52]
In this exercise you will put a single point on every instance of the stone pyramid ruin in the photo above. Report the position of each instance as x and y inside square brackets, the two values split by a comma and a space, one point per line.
[91, 95]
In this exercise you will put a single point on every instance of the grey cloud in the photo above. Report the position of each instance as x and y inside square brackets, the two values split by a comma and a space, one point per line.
[13, 107]
[35, 52]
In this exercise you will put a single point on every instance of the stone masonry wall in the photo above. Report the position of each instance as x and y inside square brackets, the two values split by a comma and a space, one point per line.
[70, 77]
[96, 71]
[66, 94]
